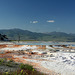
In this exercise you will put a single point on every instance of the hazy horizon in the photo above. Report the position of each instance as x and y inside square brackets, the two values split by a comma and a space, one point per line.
[36, 31]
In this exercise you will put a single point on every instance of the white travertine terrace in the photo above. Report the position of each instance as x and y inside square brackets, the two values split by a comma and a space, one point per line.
[23, 47]
[62, 62]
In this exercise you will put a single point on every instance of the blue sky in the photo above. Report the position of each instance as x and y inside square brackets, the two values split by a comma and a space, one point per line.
[38, 15]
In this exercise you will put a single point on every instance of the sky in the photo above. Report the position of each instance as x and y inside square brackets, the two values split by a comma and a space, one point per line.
[38, 15]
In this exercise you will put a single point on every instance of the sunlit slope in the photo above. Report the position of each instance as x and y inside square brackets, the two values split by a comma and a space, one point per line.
[16, 34]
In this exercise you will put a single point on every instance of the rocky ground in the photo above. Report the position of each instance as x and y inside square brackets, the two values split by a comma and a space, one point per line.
[51, 61]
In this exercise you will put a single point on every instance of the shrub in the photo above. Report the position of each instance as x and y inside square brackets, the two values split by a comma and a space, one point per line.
[11, 60]
[1, 61]
[26, 66]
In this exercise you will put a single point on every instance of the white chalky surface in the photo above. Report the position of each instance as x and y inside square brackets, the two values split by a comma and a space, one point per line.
[63, 63]
[24, 47]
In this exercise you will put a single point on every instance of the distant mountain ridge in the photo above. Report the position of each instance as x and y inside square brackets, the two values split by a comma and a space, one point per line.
[19, 34]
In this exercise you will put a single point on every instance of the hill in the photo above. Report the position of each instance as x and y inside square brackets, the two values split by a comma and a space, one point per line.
[19, 34]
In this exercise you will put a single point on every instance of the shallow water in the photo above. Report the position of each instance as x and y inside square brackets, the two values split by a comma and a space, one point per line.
[46, 43]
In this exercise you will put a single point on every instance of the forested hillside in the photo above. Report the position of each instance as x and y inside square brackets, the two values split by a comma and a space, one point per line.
[19, 34]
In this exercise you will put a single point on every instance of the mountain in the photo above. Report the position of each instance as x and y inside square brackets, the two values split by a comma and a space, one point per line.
[14, 34]
[58, 34]
[19, 34]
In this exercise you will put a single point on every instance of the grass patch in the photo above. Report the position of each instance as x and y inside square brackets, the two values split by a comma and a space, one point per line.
[23, 69]
[26, 66]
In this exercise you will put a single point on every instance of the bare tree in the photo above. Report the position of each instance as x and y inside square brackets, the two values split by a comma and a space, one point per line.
[18, 37]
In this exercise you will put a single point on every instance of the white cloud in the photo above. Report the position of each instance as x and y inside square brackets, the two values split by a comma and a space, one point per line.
[33, 21]
[51, 21]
